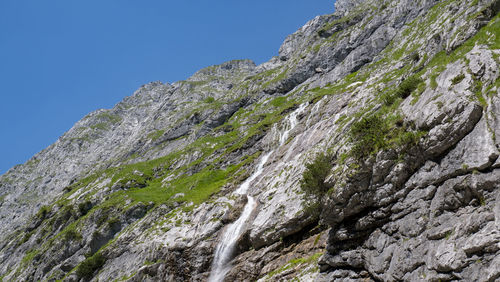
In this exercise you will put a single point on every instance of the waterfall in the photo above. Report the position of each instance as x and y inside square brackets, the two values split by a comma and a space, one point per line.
[225, 249]
[242, 190]
[292, 122]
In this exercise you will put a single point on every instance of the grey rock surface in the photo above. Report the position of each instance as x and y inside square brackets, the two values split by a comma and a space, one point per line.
[146, 190]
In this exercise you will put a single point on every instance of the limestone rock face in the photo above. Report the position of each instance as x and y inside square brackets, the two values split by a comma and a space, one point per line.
[403, 97]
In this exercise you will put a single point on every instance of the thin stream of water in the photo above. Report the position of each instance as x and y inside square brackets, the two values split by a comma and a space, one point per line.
[224, 252]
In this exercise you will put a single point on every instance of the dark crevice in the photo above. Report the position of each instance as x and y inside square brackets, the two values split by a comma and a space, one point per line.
[460, 173]
[306, 232]
[357, 270]
[338, 241]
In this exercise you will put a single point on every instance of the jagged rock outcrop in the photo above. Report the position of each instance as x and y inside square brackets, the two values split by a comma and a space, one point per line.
[403, 98]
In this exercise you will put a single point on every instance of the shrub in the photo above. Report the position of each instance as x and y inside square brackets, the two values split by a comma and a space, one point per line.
[388, 98]
[72, 235]
[377, 132]
[87, 268]
[313, 178]
[84, 207]
[209, 100]
[457, 79]
[67, 212]
[410, 138]
[404, 90]
[407, 86]
[114, 223]
[103, 215]
[42, 213]
[415, 57]
[368, 136]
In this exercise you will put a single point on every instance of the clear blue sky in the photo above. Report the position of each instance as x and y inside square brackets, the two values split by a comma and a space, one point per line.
[61, 59]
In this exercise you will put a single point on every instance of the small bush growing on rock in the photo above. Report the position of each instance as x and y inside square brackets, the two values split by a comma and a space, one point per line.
[388, 98]
[457, 79]
[209, 100]
[404, 90]
[67, 212]
[42, 213]
[313, 178]
[87, 268]
[72, 235]
[415, 57]
[376, 132]
[367, 136]
[84, 207]
[114, 223]
[407, 86]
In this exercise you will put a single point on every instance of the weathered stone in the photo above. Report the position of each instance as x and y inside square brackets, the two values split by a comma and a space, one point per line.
[414, 210]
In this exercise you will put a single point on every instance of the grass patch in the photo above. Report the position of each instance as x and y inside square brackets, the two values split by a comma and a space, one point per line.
[279, 101]
[209, 100]
[109, 117]
[294, 263]
[100, 126]
[156, 134]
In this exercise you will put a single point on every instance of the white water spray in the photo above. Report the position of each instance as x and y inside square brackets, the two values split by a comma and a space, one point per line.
[242, 190]
[225, 250]
[292, 122]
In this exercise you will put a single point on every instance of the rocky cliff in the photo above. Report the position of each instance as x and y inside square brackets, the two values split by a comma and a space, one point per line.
[366, 151]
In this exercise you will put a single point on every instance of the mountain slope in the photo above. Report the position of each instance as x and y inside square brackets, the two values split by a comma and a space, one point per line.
[375, 130]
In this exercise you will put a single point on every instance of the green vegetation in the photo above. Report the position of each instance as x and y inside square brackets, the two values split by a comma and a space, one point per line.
[100, 126]
[87, 268]
[105, 119]
[109, 117]
[196, 180]
[368, 136]
[112, 222]
[29, 257]
[84, 207]
[72, 235]
[294, 263]
[313, 178]
[209, 100]
[404, 90]
[344, 20]
[43, 211]
[477, 88]
[379, 131]
[488, 36]
[415, 57]
[155, 135]
[279, 77]
[195, 188]
[279, 101]
[457, 79]
[407, 86]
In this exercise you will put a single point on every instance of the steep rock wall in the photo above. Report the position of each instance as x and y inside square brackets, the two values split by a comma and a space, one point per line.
[144, 191]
